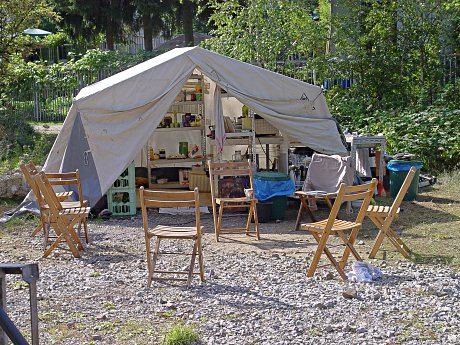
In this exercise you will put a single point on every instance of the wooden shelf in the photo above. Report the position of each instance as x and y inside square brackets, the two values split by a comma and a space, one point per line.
[198, 128]
[188, 162]
[275, 140]
[181, 103]
[168, 185]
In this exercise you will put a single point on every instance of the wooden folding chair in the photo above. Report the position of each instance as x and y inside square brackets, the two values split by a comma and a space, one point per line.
[62, 220]
[325, 174]
[383, 216]
[157, 199]
[29, 171]
[323, 229]
[232, 169]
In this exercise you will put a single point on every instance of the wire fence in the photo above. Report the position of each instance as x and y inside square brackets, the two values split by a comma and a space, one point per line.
[45, 102]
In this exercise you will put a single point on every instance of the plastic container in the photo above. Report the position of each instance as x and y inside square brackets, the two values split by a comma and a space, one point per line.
[398, 172]
[274, 187]
[264, 210]
[121, 202]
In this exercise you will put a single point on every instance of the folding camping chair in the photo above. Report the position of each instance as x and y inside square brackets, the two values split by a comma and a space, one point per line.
[157, 199]
[232, 170]
[323, 229]
[324, 176]
[29, 171]
[383, 216]
[62, 220]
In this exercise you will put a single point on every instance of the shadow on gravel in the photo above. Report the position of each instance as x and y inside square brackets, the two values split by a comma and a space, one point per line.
[241, 297]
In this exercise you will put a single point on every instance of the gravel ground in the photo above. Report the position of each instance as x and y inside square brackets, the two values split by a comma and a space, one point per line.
[256, 292]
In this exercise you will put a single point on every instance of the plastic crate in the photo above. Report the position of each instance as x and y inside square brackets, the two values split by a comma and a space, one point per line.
[122, 202]
[127, 178]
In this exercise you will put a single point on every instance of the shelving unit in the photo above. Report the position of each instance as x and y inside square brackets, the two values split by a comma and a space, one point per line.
[181, 107]
[367, 142]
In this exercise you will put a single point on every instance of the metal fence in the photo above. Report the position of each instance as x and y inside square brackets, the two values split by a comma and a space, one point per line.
[46, 103]
[37, 101]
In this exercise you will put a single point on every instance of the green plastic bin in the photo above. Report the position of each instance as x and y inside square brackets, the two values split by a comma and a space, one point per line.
[398, 172]
[274, 181]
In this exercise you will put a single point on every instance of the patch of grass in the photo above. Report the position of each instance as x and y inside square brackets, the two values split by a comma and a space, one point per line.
[109, 305]
[19, 285]
[180, 334]
[129, 331]
[95, 274]
[166, 313]
[315, 332]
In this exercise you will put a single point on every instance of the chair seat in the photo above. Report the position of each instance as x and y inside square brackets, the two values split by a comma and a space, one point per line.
[72, 204]
[379, 210]
[174, 232]
[64, 195]
[233, 200]
[75, 211]
[339, 225]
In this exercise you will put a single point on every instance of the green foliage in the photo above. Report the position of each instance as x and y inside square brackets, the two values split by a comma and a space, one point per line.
[431, 134]
[180, 335]
[264, 32]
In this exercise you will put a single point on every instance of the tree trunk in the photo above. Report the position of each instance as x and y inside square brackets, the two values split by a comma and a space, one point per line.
[187, 18]
[148, 32]
[109, 36]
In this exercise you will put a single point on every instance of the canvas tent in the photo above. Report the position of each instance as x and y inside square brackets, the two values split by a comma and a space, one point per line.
[110, 121]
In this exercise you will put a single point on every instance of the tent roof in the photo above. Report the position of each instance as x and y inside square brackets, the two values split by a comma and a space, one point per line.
[110, 121]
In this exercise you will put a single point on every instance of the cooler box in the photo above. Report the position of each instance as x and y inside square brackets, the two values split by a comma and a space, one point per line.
[274, 187]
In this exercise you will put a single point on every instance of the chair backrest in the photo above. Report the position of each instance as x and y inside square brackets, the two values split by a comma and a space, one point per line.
[46, 192]
[157, 199]
[346, 193]
[29, 171]
[326, 173]
[402, 192]
[67, 179]
[228, 169]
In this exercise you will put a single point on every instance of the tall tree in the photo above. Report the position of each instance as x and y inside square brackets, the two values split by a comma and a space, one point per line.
[187, 20]
[153, 16]
[88, 18]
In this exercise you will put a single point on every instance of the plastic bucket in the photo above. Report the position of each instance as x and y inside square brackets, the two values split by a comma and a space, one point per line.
[278, 210]
[264, 209]
[398, 172]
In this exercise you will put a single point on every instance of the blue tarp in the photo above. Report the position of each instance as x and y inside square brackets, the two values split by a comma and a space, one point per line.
[264, 189]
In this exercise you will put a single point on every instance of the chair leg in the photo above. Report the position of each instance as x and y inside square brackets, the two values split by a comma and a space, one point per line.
[85, 226]
[299, 217]
[346, 252]
[256, 220]
[398, 243]
[248, 223]
[37, 229]
[328, 254]
[319, 250]
[154, 261]
[214, 217]
[200, 259]
[380, 236]
[350, 246]
[192, 264]
[219, 221]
